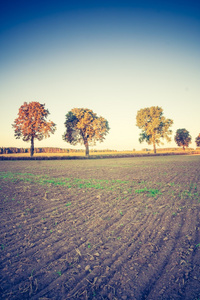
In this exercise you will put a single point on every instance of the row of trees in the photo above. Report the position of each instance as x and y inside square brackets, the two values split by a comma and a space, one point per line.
[85, 127]
[82, 125]
[155, 126]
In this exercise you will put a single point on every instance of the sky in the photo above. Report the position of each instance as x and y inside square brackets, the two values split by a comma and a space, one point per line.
[114, 57]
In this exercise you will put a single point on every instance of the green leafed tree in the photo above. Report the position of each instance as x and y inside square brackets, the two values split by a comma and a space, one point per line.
[31, 123]
[182, 138]
[154, 126]
[197, 140]
[85, 127]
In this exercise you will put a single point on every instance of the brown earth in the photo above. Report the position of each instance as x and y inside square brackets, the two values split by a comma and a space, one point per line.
[100, 229]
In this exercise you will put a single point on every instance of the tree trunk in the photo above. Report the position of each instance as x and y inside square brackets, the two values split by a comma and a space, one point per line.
[154, 148]
[86, 149]
[32, 146]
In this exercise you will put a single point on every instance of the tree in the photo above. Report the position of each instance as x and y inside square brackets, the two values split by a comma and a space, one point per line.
[182, 138]
[154, 125]
[197, 140]
[85, 127]
[31, 123]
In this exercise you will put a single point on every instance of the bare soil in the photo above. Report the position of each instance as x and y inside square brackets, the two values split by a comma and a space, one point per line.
[124, 228]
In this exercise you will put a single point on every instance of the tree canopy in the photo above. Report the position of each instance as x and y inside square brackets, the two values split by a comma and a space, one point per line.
[85, 127]
[154, 125]
[197, 140]
[182, 138]
[32, 124]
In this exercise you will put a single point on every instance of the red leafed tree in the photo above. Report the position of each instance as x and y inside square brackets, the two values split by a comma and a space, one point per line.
[31, 123]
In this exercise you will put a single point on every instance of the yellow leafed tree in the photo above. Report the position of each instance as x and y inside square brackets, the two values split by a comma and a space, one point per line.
[154, 125]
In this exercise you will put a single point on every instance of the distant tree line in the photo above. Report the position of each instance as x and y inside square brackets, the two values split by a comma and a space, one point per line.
[10, 150]
[167, 149]
[85, 127]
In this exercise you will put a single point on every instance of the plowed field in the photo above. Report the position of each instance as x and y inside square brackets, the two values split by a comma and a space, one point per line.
[100, 229]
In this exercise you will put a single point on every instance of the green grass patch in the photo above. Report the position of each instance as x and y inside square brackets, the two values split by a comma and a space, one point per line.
[117, 186]
[150, 192]
[141, 191]
[59, 273]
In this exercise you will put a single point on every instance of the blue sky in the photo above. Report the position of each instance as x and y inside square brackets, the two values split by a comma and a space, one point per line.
[114, 57]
